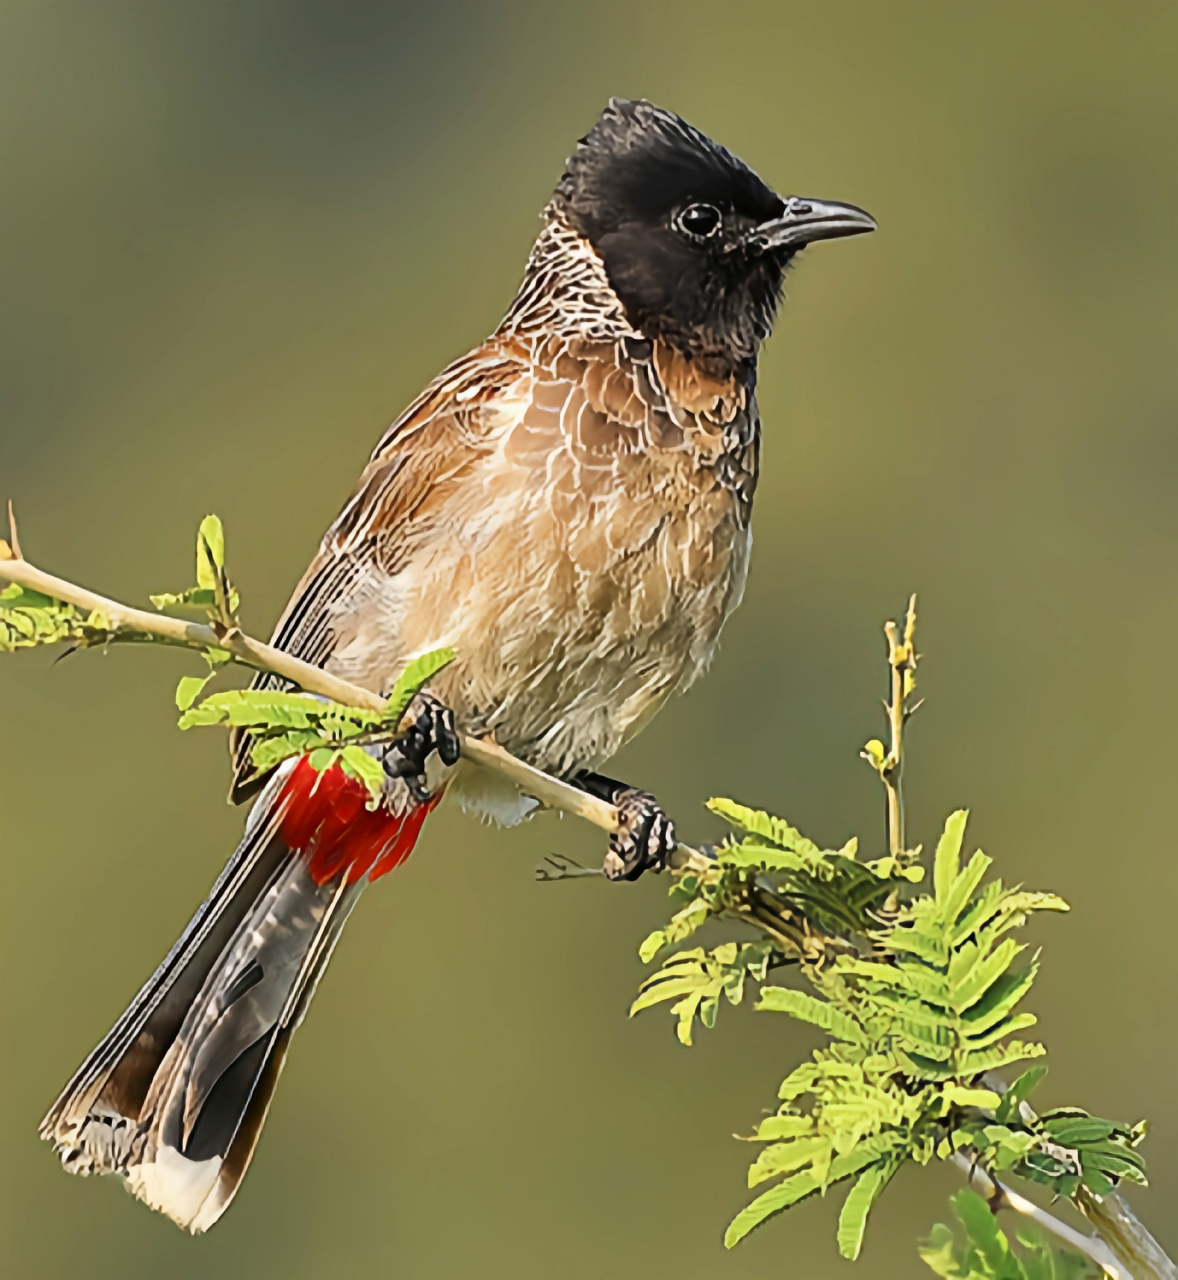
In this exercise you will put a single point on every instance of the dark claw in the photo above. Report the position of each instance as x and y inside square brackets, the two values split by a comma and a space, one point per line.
[644, 839]
[446, 736]
[433, 730]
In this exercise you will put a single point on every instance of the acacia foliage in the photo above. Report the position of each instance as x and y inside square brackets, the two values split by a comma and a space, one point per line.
[923, 1001]
[986, 1253]
[281, 723]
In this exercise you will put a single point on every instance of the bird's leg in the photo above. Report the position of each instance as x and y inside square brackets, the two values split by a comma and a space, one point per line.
[645, 836]
[432, 728]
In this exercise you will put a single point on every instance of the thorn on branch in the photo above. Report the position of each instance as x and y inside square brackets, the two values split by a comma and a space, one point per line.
[13, 543]
[558, 866]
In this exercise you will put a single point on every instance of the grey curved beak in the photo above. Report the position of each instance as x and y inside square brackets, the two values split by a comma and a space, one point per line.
[805, 221]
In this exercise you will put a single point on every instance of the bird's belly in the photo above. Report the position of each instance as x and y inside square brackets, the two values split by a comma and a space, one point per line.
[569, 645]
[572, 626]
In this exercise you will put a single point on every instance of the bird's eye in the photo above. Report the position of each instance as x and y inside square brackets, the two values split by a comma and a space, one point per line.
[699, 221]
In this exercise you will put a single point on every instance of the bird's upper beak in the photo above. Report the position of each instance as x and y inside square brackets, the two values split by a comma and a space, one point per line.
[805, 221]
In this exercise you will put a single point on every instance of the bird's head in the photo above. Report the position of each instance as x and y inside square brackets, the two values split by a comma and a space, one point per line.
[695, 245]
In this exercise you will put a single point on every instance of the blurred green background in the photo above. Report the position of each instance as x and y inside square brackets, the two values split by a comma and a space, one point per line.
[239, 237]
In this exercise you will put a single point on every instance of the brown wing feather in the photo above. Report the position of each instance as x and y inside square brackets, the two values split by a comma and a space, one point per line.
[423, 455]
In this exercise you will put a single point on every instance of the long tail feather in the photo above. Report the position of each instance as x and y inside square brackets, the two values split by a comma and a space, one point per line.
[175, 1096]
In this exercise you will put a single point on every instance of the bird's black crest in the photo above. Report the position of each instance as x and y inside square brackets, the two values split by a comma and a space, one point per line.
[640, 161]
[629, 180]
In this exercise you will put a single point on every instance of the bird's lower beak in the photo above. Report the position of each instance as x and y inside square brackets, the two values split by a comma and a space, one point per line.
[805, 221]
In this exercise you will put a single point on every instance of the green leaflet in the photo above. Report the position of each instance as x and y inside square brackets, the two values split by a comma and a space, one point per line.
[782, 1126]
[1019, 1092]
[1006, 1027]
[189, 689]
[809, 1009]
[1004, 993]
[358, 764]
[1072, 1129]
[799, 1081]
[857, 1205]
[269, 752]
[975, 1063]
[786, 1193]
[410, 681]
[682, 925]
[959, 1096]
[785, 1157]
[946, 861]
[210, 551]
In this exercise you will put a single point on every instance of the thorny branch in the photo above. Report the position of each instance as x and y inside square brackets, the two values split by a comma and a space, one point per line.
[1122, 1246]
[122, 622]
[1000, 1196]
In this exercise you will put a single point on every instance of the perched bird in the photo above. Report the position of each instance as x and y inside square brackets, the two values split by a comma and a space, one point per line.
[567, 506]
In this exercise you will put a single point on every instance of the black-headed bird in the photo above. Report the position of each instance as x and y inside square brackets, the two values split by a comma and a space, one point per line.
[567, 507]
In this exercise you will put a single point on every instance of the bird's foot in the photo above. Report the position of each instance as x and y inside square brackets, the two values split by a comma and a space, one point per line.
[645, 837]
[432, 728]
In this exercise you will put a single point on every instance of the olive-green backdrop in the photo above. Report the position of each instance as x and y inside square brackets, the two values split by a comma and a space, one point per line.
[238, 237]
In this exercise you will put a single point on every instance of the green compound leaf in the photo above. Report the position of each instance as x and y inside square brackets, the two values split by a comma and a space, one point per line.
[189, 689]
[698, 978]
[986, 1252]
[925, 1000]
[798, 1187]
[946, 862]
[273, 709]
[28, 619]
[210, 551]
